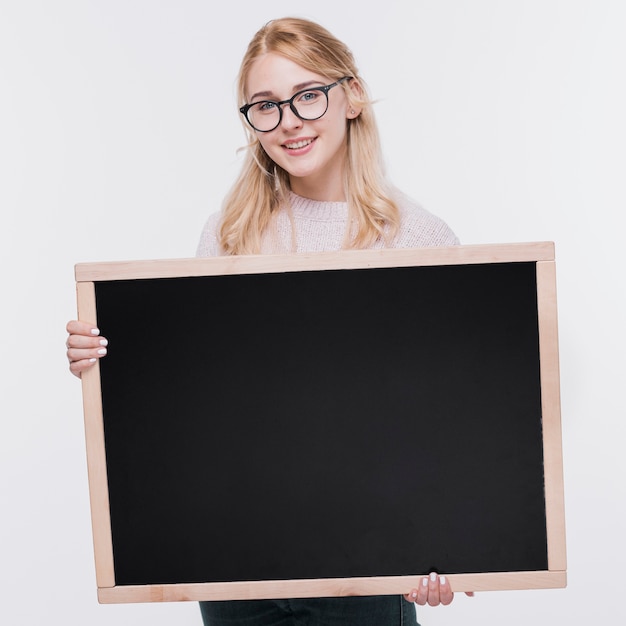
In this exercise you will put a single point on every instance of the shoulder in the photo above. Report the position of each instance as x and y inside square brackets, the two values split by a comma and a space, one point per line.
[208, 244]
[419, 228]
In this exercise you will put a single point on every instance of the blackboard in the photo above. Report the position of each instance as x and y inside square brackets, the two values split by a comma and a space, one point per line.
[352, 418]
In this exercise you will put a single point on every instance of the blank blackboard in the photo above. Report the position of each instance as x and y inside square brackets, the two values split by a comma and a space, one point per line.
[350, 418]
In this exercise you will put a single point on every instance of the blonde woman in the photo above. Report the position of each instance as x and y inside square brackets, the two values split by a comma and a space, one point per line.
[312, 180]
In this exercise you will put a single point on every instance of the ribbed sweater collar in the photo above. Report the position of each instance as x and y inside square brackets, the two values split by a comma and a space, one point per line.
[304, 208]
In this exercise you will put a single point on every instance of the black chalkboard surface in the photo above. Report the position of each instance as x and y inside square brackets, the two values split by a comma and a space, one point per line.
[333, 424]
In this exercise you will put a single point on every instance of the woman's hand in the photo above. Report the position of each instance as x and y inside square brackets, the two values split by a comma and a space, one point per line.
[434, 590]
[84, 346]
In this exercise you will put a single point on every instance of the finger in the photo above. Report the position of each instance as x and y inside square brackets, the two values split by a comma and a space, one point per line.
[422, 592]
[81, 341]
[78, 367]
[469, 594]
[80, 354]
[76, 327]
[411, 596]
[445, 591]
[433, 589]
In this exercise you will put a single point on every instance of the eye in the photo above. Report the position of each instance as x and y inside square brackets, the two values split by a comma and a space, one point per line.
[266, 106]
[308, 97]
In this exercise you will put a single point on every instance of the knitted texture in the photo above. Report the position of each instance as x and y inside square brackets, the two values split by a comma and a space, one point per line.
[321, 226]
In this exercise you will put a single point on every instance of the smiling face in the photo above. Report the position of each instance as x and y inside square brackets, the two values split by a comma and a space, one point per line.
[313, 153]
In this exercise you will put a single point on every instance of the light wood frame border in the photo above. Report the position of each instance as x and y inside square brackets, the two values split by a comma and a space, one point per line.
[540, 252]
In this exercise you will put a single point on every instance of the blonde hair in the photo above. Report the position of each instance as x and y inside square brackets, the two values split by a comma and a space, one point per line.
[262, 187]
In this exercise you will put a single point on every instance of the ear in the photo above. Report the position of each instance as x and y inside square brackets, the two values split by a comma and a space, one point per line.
[354, 110]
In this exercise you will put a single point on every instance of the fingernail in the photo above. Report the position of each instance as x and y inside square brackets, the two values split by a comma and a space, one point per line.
[424, 582]
[102, 351]
[92, 360]
[95, 331]
[442, 580]
[414, 594]
[433, 576]
[104, 342]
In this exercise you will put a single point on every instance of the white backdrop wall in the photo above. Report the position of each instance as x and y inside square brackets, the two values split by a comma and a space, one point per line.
[118, 136]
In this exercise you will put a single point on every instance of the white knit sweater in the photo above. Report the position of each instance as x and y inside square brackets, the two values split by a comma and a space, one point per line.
[321, 226]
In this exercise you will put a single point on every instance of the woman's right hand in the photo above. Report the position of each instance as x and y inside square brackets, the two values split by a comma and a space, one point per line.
[84, 346]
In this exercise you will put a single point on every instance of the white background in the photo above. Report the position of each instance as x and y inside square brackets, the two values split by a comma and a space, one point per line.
[118, 137]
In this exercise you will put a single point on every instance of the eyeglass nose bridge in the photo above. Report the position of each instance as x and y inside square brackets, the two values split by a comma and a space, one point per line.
[292, 107]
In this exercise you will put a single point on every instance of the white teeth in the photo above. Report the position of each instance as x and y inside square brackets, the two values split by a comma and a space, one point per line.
[299, 144]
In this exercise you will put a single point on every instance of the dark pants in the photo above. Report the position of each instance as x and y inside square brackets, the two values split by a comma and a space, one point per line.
[349, 611]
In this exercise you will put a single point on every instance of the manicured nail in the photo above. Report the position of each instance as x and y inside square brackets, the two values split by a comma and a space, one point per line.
[102, 351]
[424, 582]
[442, 580]
[95, 331]
[433, 576]
[414, 594]
[92, 360]
[104, 342]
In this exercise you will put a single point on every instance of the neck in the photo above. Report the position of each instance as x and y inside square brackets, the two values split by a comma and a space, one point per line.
[327, 187]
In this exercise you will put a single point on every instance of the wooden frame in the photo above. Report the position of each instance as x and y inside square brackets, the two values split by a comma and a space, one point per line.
[89, 275]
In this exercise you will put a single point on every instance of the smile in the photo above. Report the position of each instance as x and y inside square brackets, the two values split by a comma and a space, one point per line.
[298, 144]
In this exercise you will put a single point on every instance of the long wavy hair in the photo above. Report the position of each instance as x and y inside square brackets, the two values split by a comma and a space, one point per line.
[262, 187]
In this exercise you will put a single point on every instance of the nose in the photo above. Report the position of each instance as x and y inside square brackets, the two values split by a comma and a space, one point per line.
[289, 118]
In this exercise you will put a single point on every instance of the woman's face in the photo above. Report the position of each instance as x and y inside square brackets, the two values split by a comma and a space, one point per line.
[313, 152]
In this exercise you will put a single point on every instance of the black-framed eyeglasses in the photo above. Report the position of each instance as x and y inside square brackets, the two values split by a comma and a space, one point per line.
[308, 104]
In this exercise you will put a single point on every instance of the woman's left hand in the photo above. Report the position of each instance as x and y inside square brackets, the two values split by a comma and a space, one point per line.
[433, 590]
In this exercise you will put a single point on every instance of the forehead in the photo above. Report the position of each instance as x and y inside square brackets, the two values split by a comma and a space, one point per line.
[275, 75]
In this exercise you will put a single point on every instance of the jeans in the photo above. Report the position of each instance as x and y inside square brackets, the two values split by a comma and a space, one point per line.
[345, 611]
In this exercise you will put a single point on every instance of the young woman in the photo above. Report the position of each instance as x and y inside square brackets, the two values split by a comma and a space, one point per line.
[312, 180]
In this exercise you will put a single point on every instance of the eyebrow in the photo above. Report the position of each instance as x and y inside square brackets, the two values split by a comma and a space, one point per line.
[296, 88]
